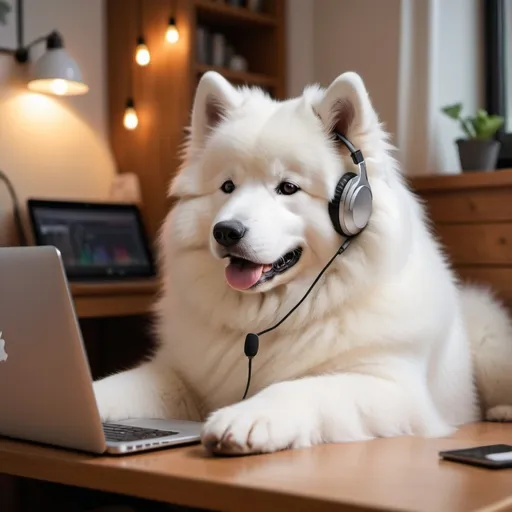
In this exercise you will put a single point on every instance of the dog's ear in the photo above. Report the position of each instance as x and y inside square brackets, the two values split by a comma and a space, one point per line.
[346, 107]
[214, 99]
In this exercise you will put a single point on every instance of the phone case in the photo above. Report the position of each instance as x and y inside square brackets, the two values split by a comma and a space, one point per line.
[495, 456]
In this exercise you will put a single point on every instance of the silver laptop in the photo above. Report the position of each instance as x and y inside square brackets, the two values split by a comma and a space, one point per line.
[46, 392]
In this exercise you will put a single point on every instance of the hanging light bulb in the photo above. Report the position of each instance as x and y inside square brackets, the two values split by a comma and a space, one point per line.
[142, 55]
[172, 35]
[130, 119]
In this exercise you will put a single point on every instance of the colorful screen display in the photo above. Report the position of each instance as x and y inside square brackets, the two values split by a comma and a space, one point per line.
[94, 241]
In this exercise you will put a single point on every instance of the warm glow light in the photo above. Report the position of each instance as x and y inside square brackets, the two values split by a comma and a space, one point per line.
[130, 120]
[172, 35]
[142, 56]
[57, 86]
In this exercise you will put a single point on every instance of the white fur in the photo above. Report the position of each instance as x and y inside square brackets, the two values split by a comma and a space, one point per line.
[387, 344]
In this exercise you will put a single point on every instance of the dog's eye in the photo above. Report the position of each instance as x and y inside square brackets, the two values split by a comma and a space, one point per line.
[228, 187]
[287, 189]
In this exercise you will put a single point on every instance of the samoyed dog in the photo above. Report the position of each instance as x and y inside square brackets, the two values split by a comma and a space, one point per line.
[387, 343]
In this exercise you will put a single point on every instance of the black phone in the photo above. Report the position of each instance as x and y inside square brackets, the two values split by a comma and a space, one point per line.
[494, 456]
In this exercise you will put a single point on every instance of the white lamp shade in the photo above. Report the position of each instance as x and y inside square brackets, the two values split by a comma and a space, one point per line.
[56, 72]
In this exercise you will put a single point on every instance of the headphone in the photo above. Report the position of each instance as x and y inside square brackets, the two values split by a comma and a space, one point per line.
[351, 207]
[350, 210]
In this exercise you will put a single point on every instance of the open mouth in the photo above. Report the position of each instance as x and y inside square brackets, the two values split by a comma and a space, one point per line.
[243, 274]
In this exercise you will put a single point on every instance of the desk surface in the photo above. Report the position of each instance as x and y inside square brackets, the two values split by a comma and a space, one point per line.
[385, 474]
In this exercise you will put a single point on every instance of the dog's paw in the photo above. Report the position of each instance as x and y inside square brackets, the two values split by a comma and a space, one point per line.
[499, 413]
[256, 426]
[111, 405]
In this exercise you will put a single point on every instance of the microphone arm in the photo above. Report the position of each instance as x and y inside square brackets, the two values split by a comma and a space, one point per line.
[252, 340]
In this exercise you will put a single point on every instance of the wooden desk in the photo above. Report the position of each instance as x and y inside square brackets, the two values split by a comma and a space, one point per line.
[385, 474]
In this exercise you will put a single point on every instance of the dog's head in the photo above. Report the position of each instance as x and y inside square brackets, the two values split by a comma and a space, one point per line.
[258, 175]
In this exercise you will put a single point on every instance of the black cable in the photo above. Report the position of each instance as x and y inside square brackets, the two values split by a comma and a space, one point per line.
[140, 20]
[16, 208]
[252, 340]
[249, 371]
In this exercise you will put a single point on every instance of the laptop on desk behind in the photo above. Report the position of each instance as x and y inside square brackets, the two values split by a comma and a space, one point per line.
[98, 241]
[46, 392]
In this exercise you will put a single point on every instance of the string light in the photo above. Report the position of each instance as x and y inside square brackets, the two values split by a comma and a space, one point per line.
[172, 35]
[142, 55]
[130, 119]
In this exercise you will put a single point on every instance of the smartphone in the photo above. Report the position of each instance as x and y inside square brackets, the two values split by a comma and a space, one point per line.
[494, 456]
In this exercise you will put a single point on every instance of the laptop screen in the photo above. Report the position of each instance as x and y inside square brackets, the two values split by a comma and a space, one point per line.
[96, 241]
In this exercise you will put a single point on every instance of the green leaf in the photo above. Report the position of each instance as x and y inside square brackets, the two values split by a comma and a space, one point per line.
[467, 127]
[453, 111]
[486, 127]
[5, 9]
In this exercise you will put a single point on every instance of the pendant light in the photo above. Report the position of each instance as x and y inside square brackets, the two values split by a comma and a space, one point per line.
[172, 35]
[130, 118]
[142, 55]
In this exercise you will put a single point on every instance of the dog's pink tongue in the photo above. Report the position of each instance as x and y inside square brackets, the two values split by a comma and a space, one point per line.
[242, 277]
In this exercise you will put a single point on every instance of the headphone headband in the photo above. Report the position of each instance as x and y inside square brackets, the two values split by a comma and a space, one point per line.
[357, 157]
[351, 206]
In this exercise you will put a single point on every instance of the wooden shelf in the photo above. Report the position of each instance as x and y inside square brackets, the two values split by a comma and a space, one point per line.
[97, 300]
[226, 14]
[239, 76]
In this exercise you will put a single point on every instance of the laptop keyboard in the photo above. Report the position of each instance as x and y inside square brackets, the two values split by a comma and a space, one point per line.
[125, 433]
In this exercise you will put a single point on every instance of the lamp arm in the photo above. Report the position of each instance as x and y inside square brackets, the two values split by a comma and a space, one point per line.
[36, 41]
[21, 53]
[16, 208]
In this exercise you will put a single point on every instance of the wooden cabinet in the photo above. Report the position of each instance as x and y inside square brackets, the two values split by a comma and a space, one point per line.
[472, 216]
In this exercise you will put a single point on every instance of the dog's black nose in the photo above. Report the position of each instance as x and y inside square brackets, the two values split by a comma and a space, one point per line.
[228, 232]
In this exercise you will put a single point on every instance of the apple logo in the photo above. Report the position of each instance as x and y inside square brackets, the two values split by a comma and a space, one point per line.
[3, 353]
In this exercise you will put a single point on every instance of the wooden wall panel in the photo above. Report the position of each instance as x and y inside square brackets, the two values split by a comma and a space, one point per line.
[162, 92]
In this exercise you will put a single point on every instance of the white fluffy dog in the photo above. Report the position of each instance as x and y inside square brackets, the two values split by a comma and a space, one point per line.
[387, 343]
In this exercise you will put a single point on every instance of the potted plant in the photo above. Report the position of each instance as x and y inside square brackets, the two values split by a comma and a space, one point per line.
[479, 150]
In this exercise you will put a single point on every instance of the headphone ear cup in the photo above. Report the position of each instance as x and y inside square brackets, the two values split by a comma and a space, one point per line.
[335, 203]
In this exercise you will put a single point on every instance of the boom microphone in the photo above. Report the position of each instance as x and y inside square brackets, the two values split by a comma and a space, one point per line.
[252, 340]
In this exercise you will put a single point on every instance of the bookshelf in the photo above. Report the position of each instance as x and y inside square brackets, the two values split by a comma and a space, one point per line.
[254, 54]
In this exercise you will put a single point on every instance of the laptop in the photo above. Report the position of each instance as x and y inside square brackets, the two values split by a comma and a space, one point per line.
[46, 391]
[97, 241]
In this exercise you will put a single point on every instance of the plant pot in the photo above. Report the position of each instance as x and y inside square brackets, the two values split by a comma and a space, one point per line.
[478, 155]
